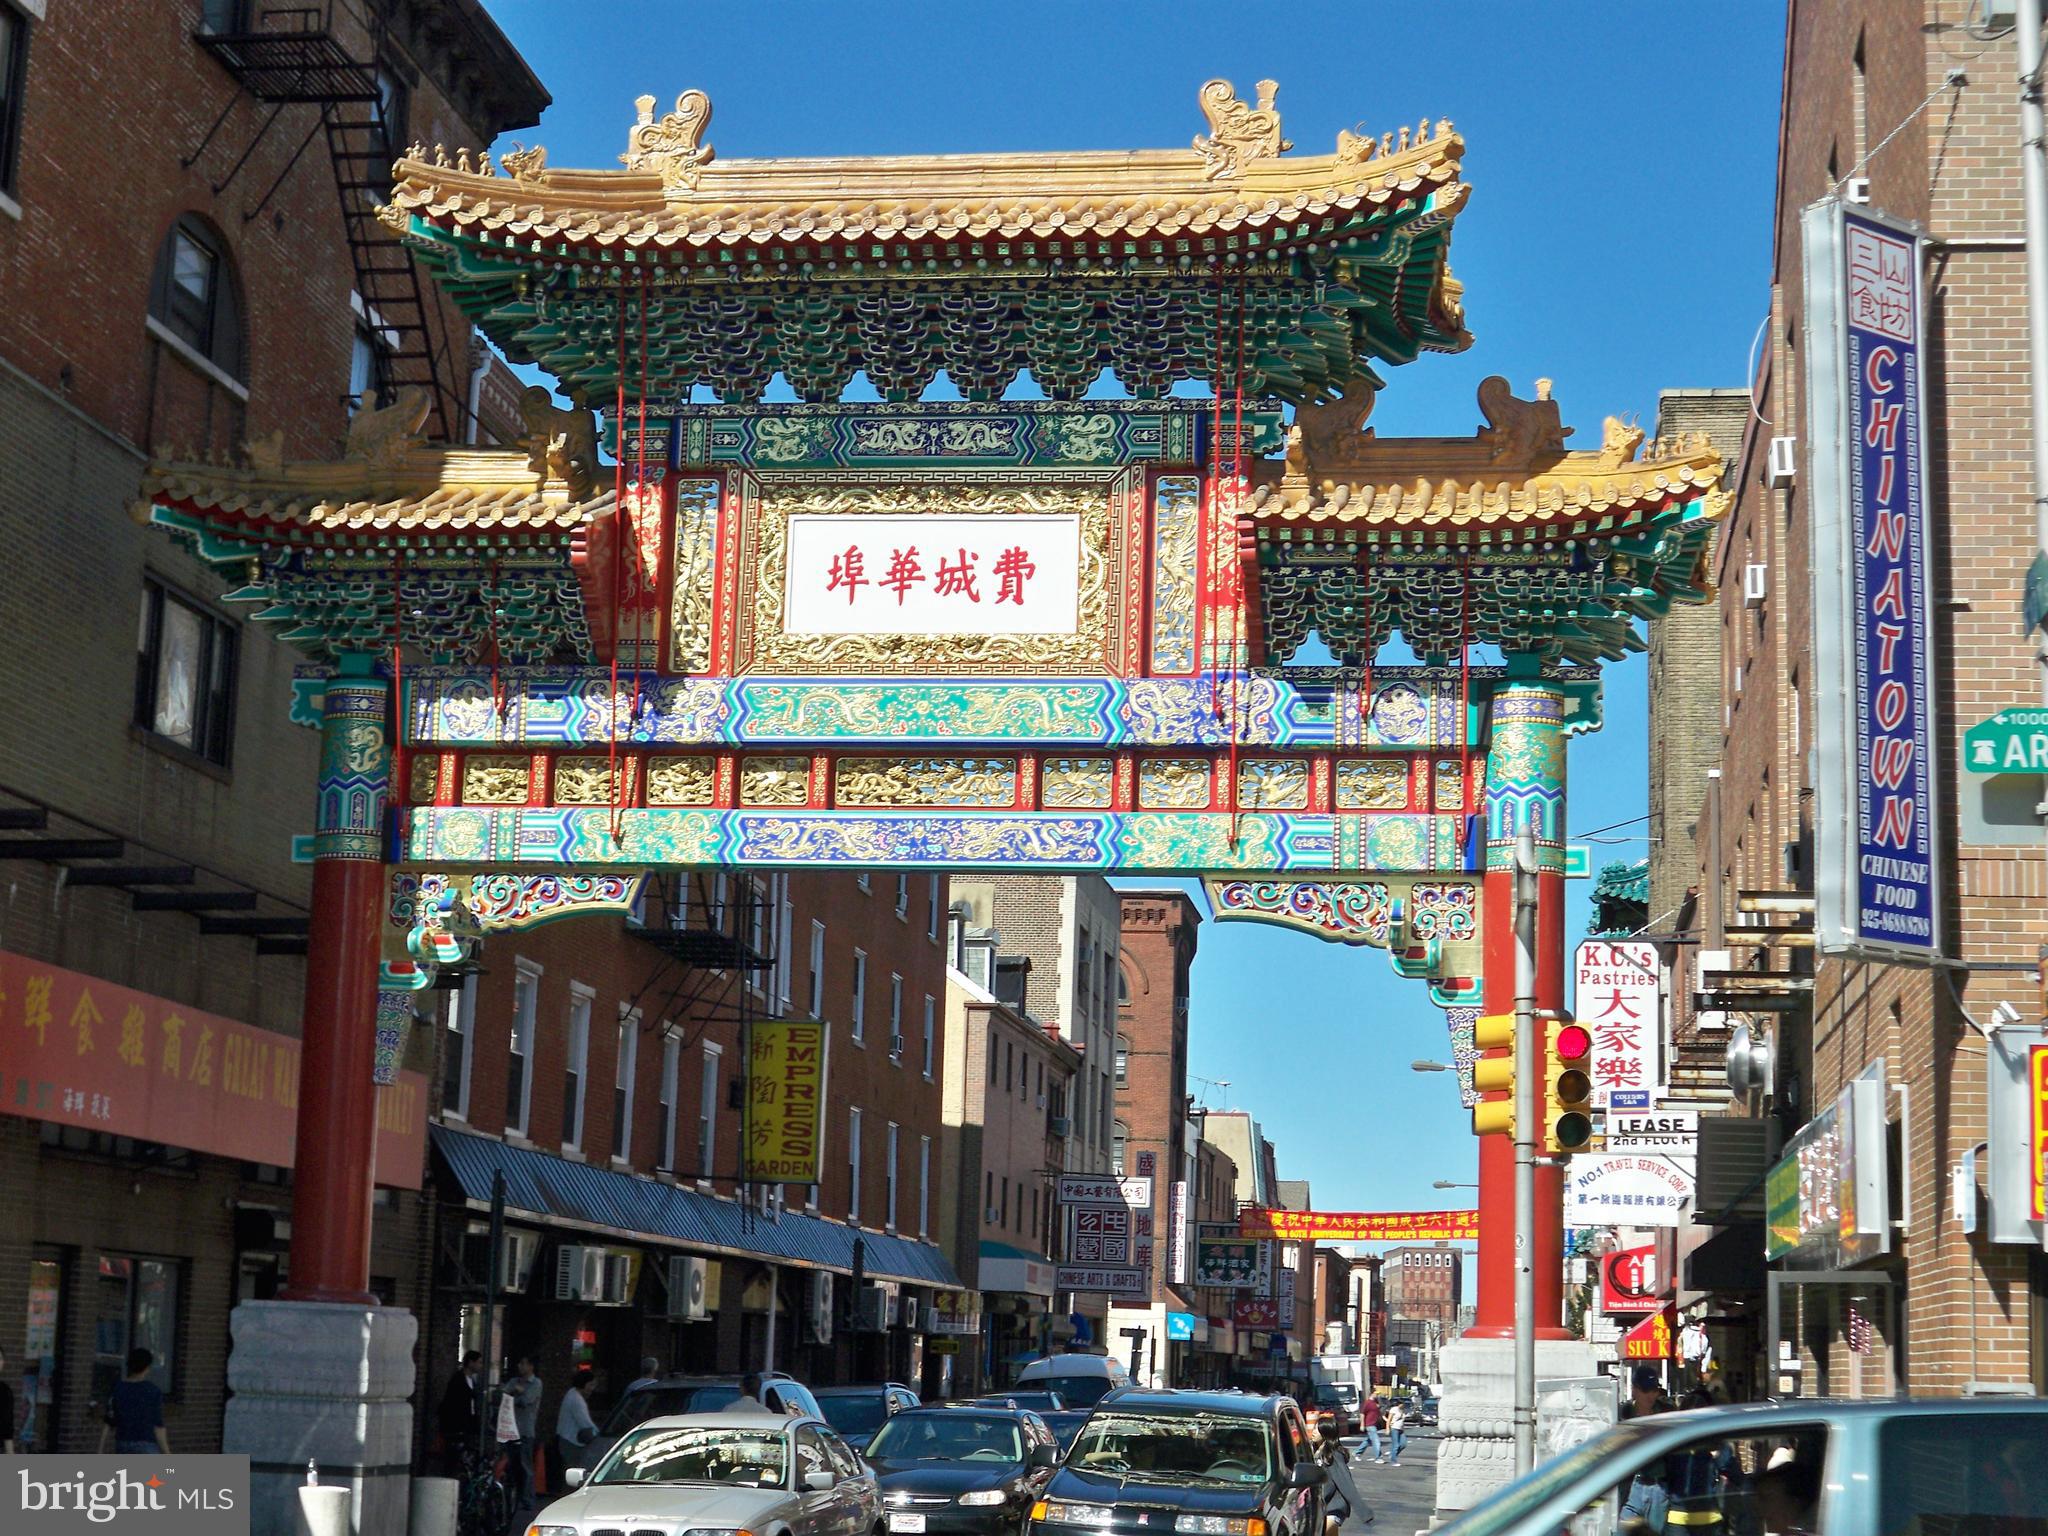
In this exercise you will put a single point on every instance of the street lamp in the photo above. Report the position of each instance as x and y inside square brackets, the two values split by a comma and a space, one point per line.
[1452, 1184]
[1429, 1066]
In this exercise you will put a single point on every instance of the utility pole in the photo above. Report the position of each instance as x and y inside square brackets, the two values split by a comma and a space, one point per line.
[1527, 1048]
[2027, 47]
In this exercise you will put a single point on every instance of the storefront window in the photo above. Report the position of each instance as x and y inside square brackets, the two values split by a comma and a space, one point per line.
[136, 1303]
[37, 1404]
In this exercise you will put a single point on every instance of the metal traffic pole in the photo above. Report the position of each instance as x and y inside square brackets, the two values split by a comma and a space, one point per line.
[2028, 44]
[1526, 1053]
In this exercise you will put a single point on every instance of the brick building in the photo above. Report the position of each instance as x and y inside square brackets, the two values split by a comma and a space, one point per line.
[1868, 92]
[1423, 1284]
[171, 273]
[602, 1060]
[1008, 1083]
[1212, 1202]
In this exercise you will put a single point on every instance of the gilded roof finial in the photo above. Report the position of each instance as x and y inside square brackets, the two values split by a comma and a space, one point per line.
[1238, 134]
[673, 145]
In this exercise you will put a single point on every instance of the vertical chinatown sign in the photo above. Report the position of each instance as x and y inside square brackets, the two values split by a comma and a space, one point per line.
[1875, 816]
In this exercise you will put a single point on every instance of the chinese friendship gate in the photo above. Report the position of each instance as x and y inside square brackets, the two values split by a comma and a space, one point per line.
[1049, 635]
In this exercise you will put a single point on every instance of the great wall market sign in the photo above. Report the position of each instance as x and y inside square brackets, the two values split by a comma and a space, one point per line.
[1876, 814]
[1358, 1226]
[83, 1052]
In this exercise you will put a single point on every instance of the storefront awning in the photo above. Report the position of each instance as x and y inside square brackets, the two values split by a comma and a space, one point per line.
[553, 1191]
[1016, 1270]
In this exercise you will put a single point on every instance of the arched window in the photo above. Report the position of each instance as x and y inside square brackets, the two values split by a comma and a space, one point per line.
[1123, 1061]
[195, 296]
[1116, 1148]
[1123, 987]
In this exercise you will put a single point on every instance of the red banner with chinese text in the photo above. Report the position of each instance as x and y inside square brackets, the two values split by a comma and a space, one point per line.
[80, 1051]
[1654, 1338]
[1357, 1226]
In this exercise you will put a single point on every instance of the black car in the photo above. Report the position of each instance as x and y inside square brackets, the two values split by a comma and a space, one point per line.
[857, 1412]
[960, 1471]
[1189, 1463]
[1051, 1408]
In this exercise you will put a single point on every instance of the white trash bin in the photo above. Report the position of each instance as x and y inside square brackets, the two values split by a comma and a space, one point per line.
[434, 1503]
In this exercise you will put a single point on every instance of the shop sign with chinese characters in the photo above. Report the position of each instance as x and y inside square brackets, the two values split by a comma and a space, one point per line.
[1633, 1191]
[1225, 1260]
[2016, 1165]
[83, 1052]
[1827, 1201]
[785, 1101]
[1630, 1282]
[939, 574]
[1654, 1338]
[1358, 1226]
[1616, 997]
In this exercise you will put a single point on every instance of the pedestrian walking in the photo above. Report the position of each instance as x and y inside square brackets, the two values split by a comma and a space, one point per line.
[1369, 1416]
[574, 1427]
[461, 1412]
[524, 1391]
[749, 1400]
[650, 1375]
[1649, 1499]
[1397, 1432]
[135, 1411]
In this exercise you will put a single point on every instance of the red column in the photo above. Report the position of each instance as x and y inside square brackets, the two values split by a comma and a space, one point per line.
[1494, 1315]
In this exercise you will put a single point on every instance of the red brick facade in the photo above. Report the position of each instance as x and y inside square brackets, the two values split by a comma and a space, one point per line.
[1152, 1016]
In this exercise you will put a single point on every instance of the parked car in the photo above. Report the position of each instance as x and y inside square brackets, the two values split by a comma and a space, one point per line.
[765, 1473]
[1146, 1462]
[1933, 1464]
[677, 1395]
[1422, 1410]
[857, 1412]
[1083, 1380]
[964, 1470]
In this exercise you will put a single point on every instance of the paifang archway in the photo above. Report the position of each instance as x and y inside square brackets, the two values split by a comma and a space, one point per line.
[1046, 635]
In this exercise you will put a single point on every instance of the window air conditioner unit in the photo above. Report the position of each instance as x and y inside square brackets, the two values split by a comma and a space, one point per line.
[1756, 581]
[1060, 1126]
[515, 1258]
[818, 1307]
[910, 1313]
[895, 1045]
[870, 1309]
[618, 1279]
[579, 1273]
[1781, 467]
[1041, 1100]
[688, 1279]
[992, 1216]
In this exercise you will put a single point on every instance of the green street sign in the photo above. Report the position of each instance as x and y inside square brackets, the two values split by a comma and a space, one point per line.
[2011, 741]
[1578, 861]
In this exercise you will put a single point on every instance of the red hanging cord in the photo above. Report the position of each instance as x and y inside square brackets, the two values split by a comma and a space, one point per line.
[618, 560]
[497, 650]
[1464, 704]
[1237, 618]
[642, 612]
[1209, 616]
[1365, 603]
[401, 791]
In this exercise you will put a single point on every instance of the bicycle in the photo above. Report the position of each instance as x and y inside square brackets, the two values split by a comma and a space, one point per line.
[484, 1506]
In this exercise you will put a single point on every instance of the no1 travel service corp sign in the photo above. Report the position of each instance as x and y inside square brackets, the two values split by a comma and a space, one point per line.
[1875, 813]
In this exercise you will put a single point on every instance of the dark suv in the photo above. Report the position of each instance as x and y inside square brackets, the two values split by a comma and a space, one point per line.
[1198, 1463]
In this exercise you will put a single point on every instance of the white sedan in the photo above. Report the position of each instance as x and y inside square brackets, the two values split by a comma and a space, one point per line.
[713, 1473]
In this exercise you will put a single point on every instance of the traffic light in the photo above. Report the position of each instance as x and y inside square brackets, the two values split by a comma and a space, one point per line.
[1568, 1088]
[1494, 1074]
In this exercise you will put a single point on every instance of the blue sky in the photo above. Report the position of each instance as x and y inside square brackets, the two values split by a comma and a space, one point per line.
[1617, 242]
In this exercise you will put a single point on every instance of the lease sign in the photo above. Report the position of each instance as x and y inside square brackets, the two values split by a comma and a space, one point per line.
[1357, 1226]
[785, 1101]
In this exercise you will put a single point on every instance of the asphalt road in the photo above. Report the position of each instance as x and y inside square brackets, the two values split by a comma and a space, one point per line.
[1403, 1498]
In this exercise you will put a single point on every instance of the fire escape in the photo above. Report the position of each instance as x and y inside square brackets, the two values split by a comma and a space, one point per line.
[298, 56]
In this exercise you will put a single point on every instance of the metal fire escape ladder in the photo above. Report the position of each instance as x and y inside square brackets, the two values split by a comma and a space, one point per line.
[294, 56]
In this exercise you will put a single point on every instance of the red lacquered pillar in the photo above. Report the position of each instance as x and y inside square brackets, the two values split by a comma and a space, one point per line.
[337, 1113]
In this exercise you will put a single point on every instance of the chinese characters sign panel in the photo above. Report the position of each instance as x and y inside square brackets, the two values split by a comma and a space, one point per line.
[1875, 814]
[785, 1101]
[2037, 1132]
[936, 574]
[1626, 1191]
[1225, 1260]
[83, 1052]
[1358, 1226]
[1616, 998]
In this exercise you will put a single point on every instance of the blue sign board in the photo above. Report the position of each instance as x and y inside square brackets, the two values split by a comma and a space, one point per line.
[1893, 668]
[1628, 1098]
[1180, 1327]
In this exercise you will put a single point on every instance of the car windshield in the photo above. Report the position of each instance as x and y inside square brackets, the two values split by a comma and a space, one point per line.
[855, 1413]
[1346, 1393]
[1212, 1447]
[1077, 1391]
[749, 1458]
[666, 1400]
[1037, 1402]
[952, 1435]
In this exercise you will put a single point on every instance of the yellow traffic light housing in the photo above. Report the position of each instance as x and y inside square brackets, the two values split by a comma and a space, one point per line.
[1494, 1074]
[1568, 1087]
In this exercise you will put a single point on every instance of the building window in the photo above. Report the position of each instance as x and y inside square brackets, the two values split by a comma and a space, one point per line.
[1123, 1062]
[135, 1303]
[193, 295]
[853, 1165]
[1123, 988]
[1117, 1139]
[992, 1058]
[1009, 1066]
[389, 115]
[622, 1092]
[930, 1032]
[1003, 1208]
[889, 1184]
[817, 969]
[707, 1112]
[671, 1069]
[864, 880]
[229, 18]
[860, 996]
[519, 1052]
[895, 1018]
[576, 1065]
[369, 368]
[13, 82]
[924, 1185]
[903, 896]
[185, 675]
[456, 1048]
[931, 908]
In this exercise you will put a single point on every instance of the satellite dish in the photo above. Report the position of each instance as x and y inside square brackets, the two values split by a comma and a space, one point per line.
[1749, 1060]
